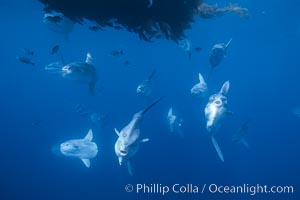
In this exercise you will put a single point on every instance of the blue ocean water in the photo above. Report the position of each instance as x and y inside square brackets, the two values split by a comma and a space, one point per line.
[41, 110]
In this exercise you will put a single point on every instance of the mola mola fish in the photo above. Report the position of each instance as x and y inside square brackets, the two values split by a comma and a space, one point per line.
[84, 149]
[175, 123]
[145, 87]
[218, 52]
[58, 23]
[128, 141]
[81, 71]
[239, 136]
[200, 89]
[215, 111]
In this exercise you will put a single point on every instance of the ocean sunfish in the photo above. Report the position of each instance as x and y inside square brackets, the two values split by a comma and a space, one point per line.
[200, 89]
[218, 52]
[215, 112]
[145, 88]
[128, 142]
[84, 72]
[84, 149]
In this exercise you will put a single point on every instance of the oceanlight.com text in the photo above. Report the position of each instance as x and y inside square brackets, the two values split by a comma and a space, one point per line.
[176, 188]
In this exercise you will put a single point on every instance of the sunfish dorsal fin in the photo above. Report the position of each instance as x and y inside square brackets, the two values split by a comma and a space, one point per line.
[228, 43]
[217, 147]
[225, 88]
[117, 132]
[148, 108]
[89, 58]
[129, 168]
[89, 135]
[86, 162]
[151, 75]
[201, 79]
[170, 113]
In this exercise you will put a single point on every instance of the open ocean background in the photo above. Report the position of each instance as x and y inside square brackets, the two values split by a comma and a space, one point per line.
[38, 109]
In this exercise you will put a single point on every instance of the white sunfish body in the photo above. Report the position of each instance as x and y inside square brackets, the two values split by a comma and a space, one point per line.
[218, 52]
[199, 89]
[128, 141]
[145, 88]
[83, 149]
[58, 23]
[81, 71]
[215, 112]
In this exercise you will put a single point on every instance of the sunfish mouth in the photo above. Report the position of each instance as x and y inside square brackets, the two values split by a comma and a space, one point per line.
[123, 152]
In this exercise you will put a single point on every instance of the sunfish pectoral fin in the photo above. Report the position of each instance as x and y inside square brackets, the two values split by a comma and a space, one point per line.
[86, 162]
[217, 147]
[92, 88]
[89, 58]
[201, 79]
[89, 135]
[129, 168]
[117, 132]
[225, 88]
[144, 140]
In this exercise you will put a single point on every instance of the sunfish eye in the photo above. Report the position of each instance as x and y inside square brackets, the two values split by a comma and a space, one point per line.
[217, 102]
[124, 135]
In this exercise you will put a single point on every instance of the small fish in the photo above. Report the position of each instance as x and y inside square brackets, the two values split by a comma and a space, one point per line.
[25, 60]
[126, 63]
[117, 53]
[54, 49]
[117, 27]
[28, 52]
[198, 49]
[95, 28]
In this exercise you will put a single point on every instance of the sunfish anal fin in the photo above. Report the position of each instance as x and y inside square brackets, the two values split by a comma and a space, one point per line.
[215, 143]
[86, 162]
[129, 168]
